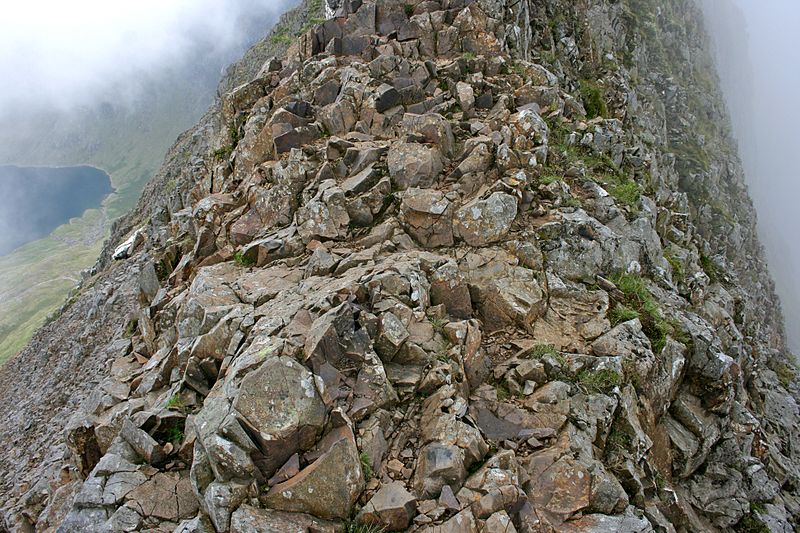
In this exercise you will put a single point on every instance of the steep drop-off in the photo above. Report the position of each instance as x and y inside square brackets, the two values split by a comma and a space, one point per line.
[442, 266]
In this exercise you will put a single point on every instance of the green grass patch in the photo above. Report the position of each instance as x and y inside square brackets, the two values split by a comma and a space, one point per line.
[618, 441]
[366, 465]
[222, 154]
[639, 299]
[130, 328]
[175, 402]
[600, 381]
[540, 350]
[786, 374]
[438, 324]
[503, 393]
[626, 192]
[547, 179]
[442, 353]
[621, 313]
[710, 268]
[174, 435]
[281, 36]
[678, 271]
[751, 523]
[241, 260]
[594, 99]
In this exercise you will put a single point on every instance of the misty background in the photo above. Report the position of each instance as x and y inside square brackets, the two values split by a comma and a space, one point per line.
[112, 84]
[83, 50]
[106, 84]
[756, 44]
[67, 191]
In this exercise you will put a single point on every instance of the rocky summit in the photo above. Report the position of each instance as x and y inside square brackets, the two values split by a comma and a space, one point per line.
[439, 266]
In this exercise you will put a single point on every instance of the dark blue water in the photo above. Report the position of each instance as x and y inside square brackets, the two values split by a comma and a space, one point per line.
[35, 201]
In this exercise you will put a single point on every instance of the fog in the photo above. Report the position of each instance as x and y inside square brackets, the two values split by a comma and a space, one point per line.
[757, 44]
[110, 84]
[57, 53]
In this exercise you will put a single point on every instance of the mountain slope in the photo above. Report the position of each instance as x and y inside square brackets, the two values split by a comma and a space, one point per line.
[461, 266]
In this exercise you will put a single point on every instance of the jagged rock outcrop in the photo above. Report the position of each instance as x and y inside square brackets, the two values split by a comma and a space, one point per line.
[467, 266]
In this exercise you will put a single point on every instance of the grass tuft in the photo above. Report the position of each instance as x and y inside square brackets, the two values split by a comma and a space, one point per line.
[786, 375]
[639, 299]
[593, 97]
[174, 435]
[245, 262]
[175, 402]
[600, 381]
[540, 350]
[618, 441]
[710, 268]
[547, 179]
[130, 329]
[355, 527]
[627, 193]
[678, 272]
[438, 324]
[366, 465]
[621, 313]
[751, 523]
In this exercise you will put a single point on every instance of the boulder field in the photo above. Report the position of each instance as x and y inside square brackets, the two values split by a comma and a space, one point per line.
[442, 267]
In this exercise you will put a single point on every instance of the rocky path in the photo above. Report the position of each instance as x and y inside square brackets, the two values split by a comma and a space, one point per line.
[438, 269]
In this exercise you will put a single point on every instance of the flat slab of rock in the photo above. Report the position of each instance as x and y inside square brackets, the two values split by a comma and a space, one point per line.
[327, 488]
[166, 496]
[247, 519]
[392, 508]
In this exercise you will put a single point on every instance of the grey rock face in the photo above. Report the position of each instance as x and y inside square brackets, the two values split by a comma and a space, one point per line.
[280, 405]
[414, 165]
[486, 221]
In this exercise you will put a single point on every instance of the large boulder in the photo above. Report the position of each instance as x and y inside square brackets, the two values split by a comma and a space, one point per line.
[391, 508]
[325, 217]
[414, 165]
[482, 222]
[503, 292]
[329, 487]
[427, 217]
[280, 406]
[433, 128]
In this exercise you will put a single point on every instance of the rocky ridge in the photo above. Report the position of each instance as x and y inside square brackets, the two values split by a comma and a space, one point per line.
[460, 266]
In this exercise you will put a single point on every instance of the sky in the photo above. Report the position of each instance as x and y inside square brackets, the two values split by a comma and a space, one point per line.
[64, 53]
[757, 52]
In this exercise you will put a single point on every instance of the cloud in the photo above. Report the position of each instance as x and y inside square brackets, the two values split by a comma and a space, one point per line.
[756, 49]
[62, 53]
